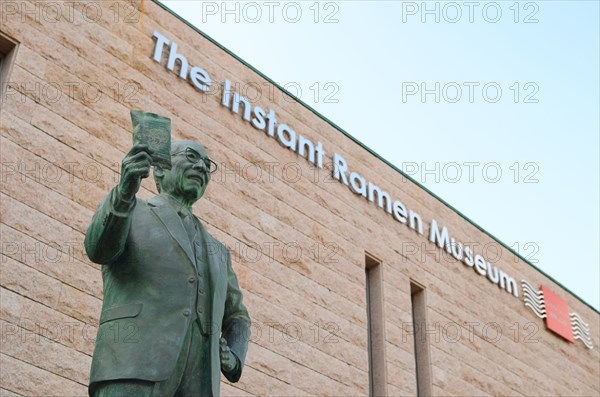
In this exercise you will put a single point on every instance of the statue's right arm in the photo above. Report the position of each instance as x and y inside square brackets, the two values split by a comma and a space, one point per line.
[106, 237]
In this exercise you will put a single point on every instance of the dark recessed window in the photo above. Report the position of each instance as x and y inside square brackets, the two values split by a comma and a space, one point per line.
[8, 52]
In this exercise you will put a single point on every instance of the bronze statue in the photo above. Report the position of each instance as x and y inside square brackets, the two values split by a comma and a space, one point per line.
[172, 318]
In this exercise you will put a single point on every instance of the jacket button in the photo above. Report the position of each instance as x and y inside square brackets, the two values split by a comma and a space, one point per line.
[200, 291]
[186, 312]
[192, 280]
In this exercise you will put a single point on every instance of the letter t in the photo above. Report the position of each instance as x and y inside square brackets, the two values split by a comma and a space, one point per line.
[160, 43]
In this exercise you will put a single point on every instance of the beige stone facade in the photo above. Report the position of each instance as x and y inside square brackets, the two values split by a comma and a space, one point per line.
[299, 238]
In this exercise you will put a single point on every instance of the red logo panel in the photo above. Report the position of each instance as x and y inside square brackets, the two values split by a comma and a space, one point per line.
[557, 315]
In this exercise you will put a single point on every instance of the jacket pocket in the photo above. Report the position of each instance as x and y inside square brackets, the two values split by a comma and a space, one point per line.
[123, 311]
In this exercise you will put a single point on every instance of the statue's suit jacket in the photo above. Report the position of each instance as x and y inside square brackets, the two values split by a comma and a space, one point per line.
[150, 292]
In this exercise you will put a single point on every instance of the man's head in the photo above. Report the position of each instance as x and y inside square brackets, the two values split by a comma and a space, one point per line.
[188, 178]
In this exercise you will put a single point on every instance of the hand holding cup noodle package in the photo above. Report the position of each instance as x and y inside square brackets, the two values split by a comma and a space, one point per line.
[154, 131]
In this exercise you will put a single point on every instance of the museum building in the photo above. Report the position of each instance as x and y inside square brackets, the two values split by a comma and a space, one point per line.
[358, 280]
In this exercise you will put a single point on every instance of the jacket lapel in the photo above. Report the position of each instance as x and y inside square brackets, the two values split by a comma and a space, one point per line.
[172, 222]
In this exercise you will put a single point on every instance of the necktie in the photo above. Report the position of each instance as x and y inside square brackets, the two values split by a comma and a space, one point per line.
[188, 223]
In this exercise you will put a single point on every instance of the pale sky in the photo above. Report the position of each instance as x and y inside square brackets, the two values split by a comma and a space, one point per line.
[514, 130]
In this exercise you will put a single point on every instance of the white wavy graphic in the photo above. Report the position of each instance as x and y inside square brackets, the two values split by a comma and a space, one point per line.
[534, 299]
[581, 330]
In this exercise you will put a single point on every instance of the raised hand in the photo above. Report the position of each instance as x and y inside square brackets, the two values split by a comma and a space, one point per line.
[134, 167]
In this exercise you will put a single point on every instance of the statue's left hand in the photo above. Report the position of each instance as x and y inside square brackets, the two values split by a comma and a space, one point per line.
[228, 360]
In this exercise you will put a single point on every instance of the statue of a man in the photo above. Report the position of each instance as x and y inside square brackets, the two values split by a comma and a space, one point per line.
[172, 318]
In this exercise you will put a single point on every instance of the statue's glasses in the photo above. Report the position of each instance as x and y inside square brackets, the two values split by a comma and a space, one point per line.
[193, 157]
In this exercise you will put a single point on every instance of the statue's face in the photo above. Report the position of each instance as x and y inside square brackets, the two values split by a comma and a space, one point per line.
[188, 178]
